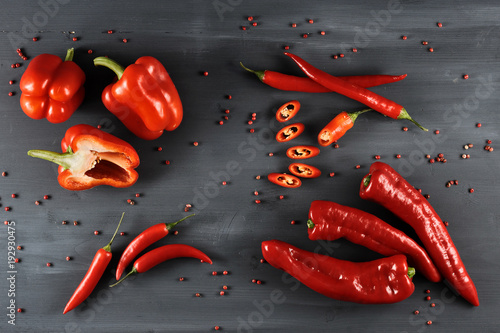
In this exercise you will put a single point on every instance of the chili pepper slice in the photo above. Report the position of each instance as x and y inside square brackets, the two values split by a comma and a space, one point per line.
[142, 241]
[338, 126]
[285, 180]
[287, 111]
[353, 91]
[388, 188]
[164, 253]
[330, 221]
[94, 273]
[305, 84]
[290, 132]
[304, 170]
[302, 152]
[52, 88]
[92, 157]
[382, 281]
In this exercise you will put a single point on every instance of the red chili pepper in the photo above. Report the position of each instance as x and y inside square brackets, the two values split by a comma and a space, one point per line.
[282, 179]
[338, 126]
[382, 281]
[287, 111]
[142, 241]
[302, 152]
[52, 88]
[164, 253]
[290, 132]
[305, 84]
[388, 188]
[304, 170]
[144, 98]
[331, 221]
[92, 157]
[93, 275]
[353, 91]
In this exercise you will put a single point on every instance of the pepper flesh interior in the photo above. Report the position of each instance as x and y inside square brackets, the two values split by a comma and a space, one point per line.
[289, 131]
[301, 169]
[285, 113]
[107, 165]
[325, 137]
[302, 152]
[289, 181]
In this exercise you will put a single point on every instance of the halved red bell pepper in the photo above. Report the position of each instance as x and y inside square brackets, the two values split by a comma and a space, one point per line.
[92, 157]
[304, 170]
[144, 97]
[290, 132]
[52, 88]
[282, 179]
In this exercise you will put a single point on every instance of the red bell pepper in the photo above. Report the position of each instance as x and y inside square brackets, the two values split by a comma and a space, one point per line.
[52, 88]
[92, 157]
[385, 186]
[382, 281]
[144, 98]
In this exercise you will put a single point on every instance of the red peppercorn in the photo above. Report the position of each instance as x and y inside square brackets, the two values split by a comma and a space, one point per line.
[354, 50]
[11, 82]
[258, 282]
[16, 260]
[250, 18]
[488, 142]
[221, 122]
[377, 157]
[221, 293]
[7, 209]
[427, 298]
[478, 125]
[48, 264]
[125, 40]
[292, 222]
[254, 24]
[440, 25]
[431, 160]
[310, 21]
[429, 322]
[110, 31]
[336, 146]
[35, 39]
[225, 272]
[75, 39]
[197, 295]
[64, 222]
[96, 232]
[37, 203]
[332, 174]
[323, 33]
[425, 43]
[416, 312]
[217, 328]
[19, 247]
[257, 201]
[398, 156]
[335, 56]
[405, 129]
[167, 162]
[224, 287]
[68, 258]
[341, 55]
[19, 310]
[446, 223]
[431, 49]
[224, 183]
[282, 197]
[271, 154]
[257, 177]
[214, 273]
[466, 76]
[11, 93]
[358, 166]
[251, 130]
[262, 261]
[436, 132]
[250, 122]
[181, 279]
[254, 281]
[243, 28]
[305, 35]
[294, 25]
[229, 97]
[404, 37]
[75, 222]
[195, 143]
[5, 222]
[471, 190]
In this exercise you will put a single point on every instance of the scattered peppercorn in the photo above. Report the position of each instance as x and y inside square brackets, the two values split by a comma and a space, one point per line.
[48, 264]
[431, 49]
[416, 312]
[404, 37]
[225, 272]
[478, 125]
[466, 76]
[214, 273]
[429, 322]
[68, 258]
[125, 40]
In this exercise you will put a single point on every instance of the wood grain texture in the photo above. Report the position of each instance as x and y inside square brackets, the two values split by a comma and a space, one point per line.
[191, 37]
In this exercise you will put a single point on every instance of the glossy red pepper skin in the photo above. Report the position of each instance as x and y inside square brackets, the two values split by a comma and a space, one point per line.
[305, 84]
[290, 132]
[302, 152]
[381, 281]
[285, 180]
[304, 170]
[331, 221]
[337, 127]
[92, 157]
[164, 253]
[142, 241]
[144, 98]
[385, 186]
[287, 111]
[353, 91]
[52, 88]
[94, 273]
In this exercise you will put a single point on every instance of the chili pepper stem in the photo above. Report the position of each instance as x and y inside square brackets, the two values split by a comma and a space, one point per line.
[310, 224]
[173, 224]
[67, 160]
[404, 115]
[108, 247]
[411, 272]
[354, 115]
[69, 54]
[111, 64]
[133, 271]
[260, 74]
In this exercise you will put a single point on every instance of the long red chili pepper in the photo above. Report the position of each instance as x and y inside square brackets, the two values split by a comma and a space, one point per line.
[388, 188]
[386, 280]
[331, 221]
[142, 241]
[353, 91]
[164, 253]
[338, 126]
[93, 275]
[304, 84]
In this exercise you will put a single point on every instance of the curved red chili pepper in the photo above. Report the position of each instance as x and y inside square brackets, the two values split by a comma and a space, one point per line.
[304, 170]
[382, 281]
[305, 84]
[338, 126]
[302, 152]
[290, 132]
[164, 253]
[331, 221]
[287, 111]
[142, 241]
[93, 275]
[353, 91]
[385, 186]
[282, 179]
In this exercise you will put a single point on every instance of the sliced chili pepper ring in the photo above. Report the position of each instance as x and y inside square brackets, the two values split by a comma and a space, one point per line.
[290, 132]
[285, 180]
[304, 170]
[287, 111]
[302, 152]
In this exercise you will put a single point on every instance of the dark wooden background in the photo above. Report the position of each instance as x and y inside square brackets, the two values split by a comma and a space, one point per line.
[191, 37]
